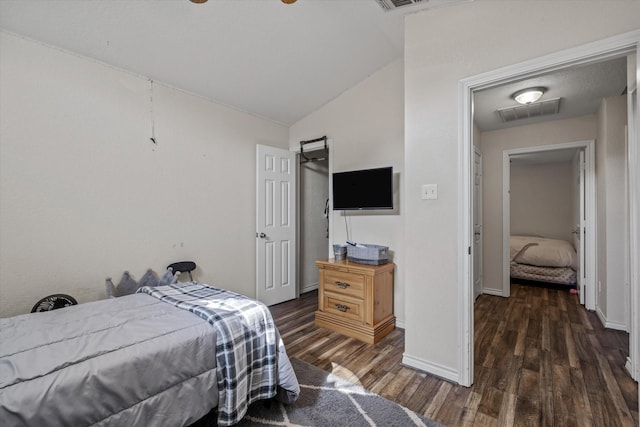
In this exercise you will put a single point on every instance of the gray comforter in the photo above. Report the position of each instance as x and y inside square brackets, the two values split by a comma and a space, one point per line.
[126, 361]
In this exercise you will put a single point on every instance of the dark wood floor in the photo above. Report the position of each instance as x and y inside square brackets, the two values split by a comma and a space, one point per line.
[540, 359]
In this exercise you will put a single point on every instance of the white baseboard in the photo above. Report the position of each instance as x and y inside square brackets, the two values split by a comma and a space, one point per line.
[616, 325]
[629, 367]
[495, 292]
[436, 369]
[609, 324]
[308, 288]
[399, 323]
[603, 320]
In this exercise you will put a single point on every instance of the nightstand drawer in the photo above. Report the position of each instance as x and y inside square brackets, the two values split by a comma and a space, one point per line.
[344, 283]
[344, 306]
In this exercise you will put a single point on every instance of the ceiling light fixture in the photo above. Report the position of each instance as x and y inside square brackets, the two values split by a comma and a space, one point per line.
[527, 96]
[204, 1]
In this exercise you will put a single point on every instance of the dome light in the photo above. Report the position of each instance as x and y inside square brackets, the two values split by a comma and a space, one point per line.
[527, 96]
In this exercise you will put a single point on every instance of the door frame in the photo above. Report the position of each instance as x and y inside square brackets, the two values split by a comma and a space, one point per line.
[477, 259]
[590, 212]
[611, 47]
[578, 164]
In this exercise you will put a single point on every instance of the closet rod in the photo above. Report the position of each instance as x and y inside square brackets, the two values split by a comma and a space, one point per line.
[313, 159]
[322, 138]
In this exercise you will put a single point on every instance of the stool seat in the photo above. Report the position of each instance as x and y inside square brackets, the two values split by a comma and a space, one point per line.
[183, 267]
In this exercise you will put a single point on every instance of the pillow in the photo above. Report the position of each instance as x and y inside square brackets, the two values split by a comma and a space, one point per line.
[168, 278]
[149, 279]
[111, 289]
[127, 285]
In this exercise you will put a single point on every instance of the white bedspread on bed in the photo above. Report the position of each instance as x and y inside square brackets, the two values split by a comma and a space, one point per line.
[542, 252]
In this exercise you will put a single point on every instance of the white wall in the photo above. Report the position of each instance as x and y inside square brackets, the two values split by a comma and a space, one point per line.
[366, 126]
[541, 202]
[85, 194]
[443, 46]
[493, 144]
[611, 167]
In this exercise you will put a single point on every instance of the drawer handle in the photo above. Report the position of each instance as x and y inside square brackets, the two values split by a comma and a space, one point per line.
[342, 285]
[343, 308]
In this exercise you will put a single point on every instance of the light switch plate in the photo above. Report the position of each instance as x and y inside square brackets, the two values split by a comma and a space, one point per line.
[430, 191]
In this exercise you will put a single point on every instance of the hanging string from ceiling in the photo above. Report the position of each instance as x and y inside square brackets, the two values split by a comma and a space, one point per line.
[151, 113]
[305, 159]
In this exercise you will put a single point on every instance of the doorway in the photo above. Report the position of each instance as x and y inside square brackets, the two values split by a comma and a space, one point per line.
[315, 221]
[580, 198]
[605, 49]
[314, 215]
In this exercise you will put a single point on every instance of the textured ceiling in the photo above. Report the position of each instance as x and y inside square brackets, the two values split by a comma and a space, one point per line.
[580, 89]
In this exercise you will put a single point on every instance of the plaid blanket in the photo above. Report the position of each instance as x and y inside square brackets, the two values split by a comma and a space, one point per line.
[246, 347]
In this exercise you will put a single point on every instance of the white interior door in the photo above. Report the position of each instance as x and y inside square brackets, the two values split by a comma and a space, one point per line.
[275, 225]
[477, 223]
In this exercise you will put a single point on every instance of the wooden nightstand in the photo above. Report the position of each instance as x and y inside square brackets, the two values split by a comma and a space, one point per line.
[356, 299]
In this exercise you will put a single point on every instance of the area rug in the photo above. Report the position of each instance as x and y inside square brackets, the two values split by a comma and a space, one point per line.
[328, 400]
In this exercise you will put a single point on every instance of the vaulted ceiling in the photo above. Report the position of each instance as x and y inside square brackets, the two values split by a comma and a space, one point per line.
[274, 60]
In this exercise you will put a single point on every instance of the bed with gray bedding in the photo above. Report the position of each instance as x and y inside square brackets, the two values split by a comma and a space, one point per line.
[133, 360]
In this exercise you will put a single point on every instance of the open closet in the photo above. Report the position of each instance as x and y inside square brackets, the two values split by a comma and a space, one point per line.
[313, 211]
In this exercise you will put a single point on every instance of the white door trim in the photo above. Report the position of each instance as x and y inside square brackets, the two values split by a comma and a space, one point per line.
[581, 224]
[590, 214]
[606, 48]
[477, 257]
[633, 154]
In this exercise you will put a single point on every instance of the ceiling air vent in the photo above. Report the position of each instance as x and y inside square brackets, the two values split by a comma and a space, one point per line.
[394, 4]
[535, 109]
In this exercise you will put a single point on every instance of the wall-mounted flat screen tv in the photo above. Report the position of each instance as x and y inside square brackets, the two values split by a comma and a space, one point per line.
[363, 189]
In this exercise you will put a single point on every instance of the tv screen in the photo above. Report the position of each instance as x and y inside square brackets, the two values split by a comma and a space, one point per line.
[363, 189]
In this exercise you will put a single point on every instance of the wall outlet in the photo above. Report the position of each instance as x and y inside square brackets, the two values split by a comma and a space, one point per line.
[430, 191]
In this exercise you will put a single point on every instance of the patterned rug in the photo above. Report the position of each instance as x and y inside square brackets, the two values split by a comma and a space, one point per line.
[328, 400]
